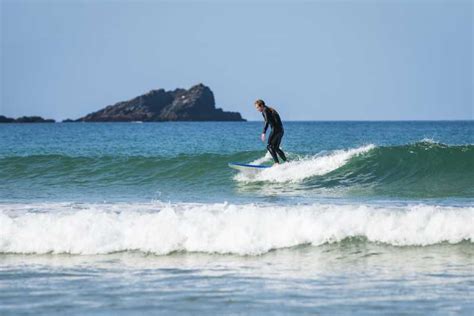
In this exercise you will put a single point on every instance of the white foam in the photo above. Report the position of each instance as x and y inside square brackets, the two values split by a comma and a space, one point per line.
[298, 170]
[429, 140]
[247, 229]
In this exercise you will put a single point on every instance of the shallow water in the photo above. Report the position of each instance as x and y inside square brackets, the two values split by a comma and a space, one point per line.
[352, 277]
[366, 218]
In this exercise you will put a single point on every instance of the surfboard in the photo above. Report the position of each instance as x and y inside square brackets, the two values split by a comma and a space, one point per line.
[246, 167]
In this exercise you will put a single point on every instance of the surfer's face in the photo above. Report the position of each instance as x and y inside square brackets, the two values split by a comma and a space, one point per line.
[259, 107]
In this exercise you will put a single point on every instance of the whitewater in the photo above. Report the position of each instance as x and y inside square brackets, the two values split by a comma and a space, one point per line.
[303, 167]
[248, 229]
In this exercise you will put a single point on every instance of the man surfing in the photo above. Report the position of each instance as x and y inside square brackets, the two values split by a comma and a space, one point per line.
[272, 118]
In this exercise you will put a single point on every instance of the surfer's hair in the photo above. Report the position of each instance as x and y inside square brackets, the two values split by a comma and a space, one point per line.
[260, 103]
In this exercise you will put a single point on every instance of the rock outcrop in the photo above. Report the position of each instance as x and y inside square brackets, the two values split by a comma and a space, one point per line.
[195, 104]
[4, 119]
[25, 119]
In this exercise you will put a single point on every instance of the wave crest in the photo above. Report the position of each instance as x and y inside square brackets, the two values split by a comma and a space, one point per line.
[303, 168]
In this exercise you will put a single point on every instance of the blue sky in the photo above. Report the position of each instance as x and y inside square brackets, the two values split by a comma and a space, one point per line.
[312, 60]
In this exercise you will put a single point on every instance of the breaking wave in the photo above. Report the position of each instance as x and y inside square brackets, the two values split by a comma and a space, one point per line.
[423, 170]
[246, 229]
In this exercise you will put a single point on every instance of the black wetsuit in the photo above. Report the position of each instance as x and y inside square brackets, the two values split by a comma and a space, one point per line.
[273, 119]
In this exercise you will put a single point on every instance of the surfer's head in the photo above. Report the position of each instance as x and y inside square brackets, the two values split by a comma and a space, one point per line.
[259, 105]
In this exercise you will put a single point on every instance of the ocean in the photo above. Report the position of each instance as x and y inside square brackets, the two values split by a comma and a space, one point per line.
[147, 218]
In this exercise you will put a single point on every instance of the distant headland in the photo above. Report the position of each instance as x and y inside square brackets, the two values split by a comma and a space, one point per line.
[25, 119]
[194, 104]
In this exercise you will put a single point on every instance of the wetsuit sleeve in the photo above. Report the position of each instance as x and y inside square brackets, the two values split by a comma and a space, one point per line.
[265, 127]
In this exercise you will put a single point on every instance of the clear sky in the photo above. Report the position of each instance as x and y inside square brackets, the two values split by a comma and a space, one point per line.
[312, 60]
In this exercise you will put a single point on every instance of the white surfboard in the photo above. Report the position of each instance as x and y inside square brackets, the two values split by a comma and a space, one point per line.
[246, 167]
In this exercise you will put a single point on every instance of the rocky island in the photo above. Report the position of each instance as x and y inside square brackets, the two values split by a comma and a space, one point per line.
[195, 104]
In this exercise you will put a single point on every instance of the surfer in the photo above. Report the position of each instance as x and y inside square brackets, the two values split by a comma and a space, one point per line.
[272, 118]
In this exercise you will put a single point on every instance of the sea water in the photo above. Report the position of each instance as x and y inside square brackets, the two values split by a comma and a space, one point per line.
[127, 218]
